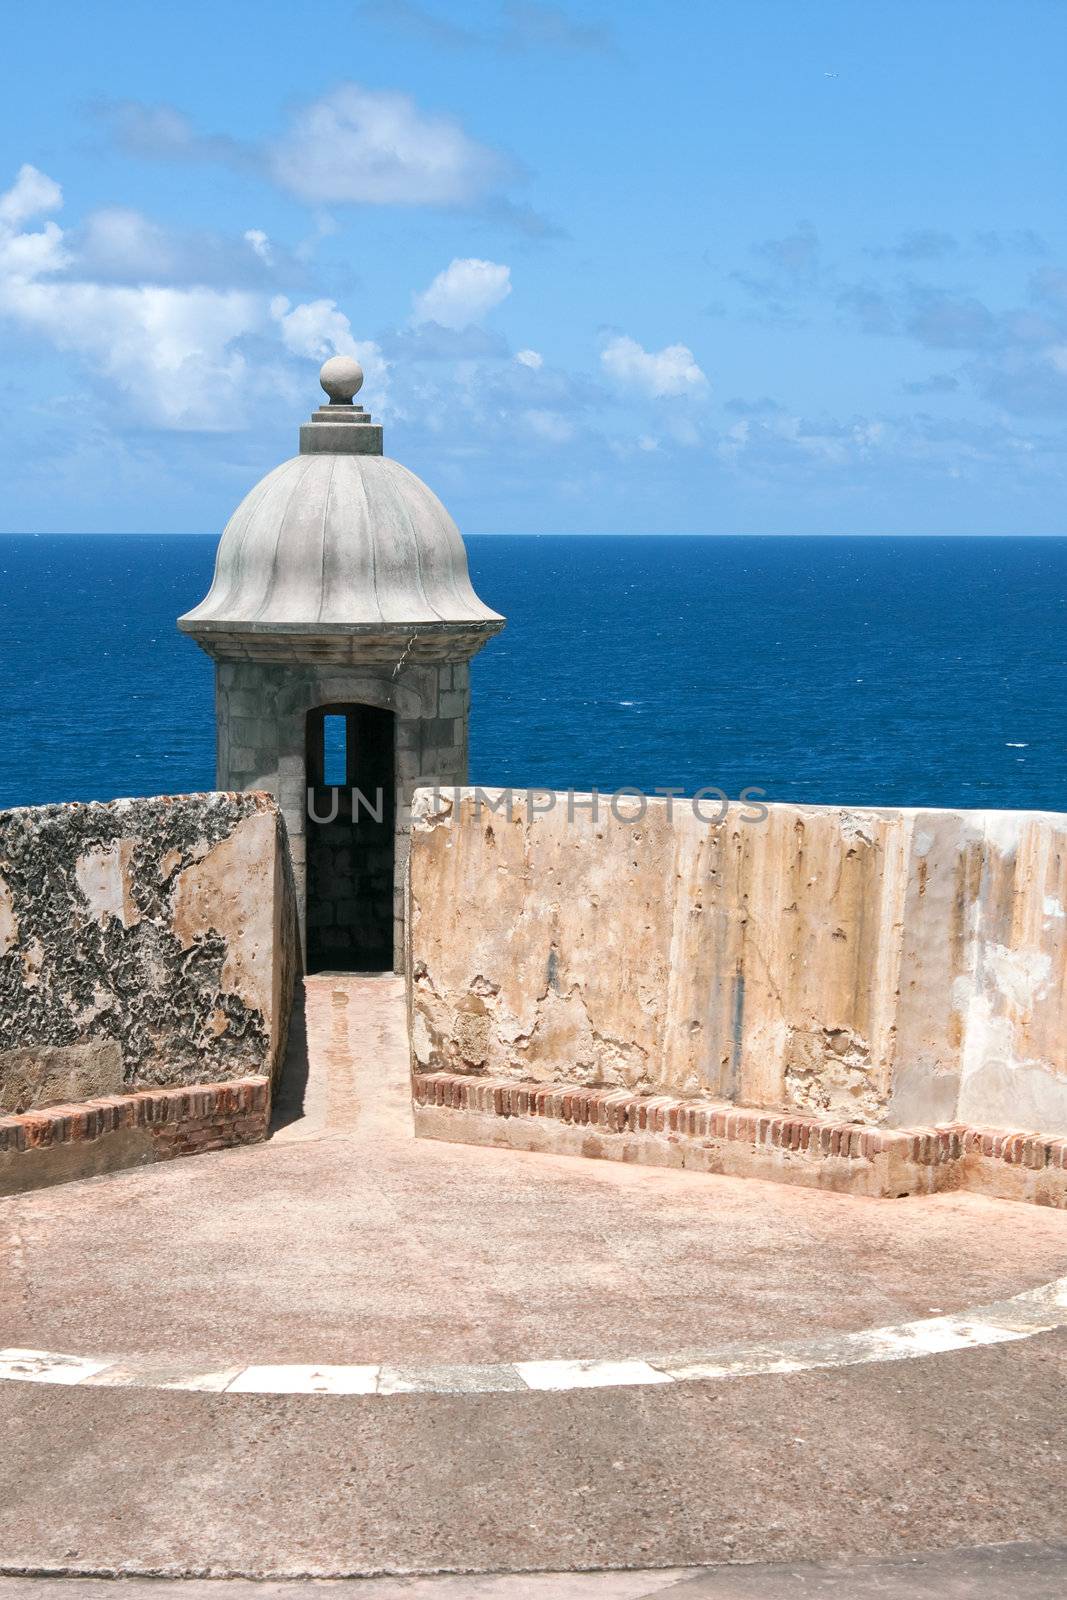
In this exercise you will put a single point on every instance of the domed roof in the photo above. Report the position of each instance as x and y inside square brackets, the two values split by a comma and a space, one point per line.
[340, 540]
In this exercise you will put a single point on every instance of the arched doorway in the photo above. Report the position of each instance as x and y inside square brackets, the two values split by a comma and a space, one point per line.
[350, 762]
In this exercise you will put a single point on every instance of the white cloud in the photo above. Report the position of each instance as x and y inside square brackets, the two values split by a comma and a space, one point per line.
[317, 329]
[122, 245]
[163, 133]
[169, 350]
[670, 371]
[375, 147]
[778, 440]
[549, 425]
[465, 291]
[353, 146]
[31, 194]
[259, 244]
[30, 254]
[530, 358]
[119, 241]
[175, 351]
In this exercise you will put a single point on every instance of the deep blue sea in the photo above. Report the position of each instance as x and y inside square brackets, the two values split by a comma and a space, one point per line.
[860, 671]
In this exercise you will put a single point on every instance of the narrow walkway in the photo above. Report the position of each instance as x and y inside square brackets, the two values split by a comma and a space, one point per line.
[352, 1034]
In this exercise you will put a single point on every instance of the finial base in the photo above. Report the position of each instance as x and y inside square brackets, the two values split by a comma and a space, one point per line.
[349, 438]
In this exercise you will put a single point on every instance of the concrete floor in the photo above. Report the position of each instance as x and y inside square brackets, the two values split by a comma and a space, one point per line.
[345, 1241]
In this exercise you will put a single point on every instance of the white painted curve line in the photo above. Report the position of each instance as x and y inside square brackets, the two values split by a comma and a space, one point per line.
[44, 1366]
[1034, 1311]
[905, 1341]
[937, 1335]
[588, 1374]
[305, 1380]
[148, 1374]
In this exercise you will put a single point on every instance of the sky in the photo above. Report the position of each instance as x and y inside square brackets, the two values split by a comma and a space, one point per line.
[762, 267]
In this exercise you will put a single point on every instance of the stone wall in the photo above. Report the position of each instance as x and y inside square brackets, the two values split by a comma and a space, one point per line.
[892, 968]
[142, 942]
[262, 709]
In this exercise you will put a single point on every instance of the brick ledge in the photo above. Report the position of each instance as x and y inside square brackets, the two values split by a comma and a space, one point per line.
[55, 1144]
[714, 1136]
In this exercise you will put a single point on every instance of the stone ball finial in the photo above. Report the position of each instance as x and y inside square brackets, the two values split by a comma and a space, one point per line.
[342, 379]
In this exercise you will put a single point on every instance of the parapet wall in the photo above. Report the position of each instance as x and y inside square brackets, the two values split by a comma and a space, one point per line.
[889, 968]
[143, 943]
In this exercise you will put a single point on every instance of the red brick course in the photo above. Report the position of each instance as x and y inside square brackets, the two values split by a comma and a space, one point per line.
[159, 1124]
[886, 1161]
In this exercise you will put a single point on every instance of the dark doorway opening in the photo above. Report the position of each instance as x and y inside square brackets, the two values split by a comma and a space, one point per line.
[350, 842]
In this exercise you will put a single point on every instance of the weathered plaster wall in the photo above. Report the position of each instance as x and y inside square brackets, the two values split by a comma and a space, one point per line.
[142, 942]
[888, 967]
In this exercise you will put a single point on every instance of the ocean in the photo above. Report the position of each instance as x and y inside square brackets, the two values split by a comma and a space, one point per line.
[854, 671]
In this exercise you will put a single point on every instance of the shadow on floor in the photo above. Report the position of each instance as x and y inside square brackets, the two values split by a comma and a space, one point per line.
[290, 1094]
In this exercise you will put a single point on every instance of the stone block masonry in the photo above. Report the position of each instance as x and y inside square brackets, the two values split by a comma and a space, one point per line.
[143, 943]
[57, 1144]
[262, 711]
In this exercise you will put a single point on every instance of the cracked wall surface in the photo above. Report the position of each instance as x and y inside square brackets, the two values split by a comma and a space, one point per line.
[892, 967]
[142, 942]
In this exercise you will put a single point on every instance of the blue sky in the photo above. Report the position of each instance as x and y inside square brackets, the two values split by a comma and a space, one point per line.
[761, 267]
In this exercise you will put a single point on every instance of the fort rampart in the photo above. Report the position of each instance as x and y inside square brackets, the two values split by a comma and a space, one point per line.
[883, 969]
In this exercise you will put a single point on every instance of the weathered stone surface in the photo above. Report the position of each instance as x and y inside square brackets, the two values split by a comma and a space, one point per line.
[230, 892]
[886, 967]
[142, 942]
[47, 1074]
[9, 923]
